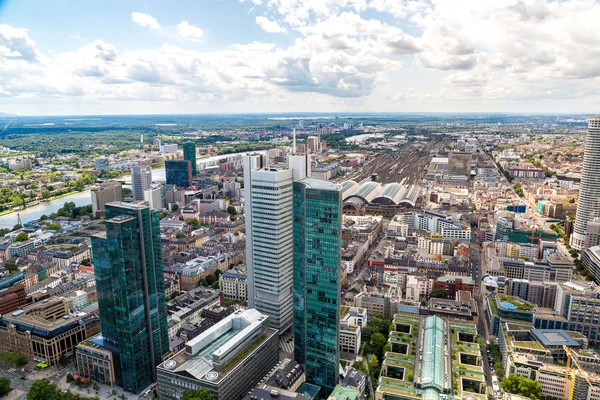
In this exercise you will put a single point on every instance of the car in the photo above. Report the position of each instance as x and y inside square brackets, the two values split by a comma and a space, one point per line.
[23, 378]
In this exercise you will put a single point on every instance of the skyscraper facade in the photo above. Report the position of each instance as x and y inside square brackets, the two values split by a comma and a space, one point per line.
[178, 173]
[131, 296]
[141, 179]
[269, 240]
[588, 204]
[189, 154]
[317, 241]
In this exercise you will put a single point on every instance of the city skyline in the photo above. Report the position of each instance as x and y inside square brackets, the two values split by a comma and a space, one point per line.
[280, 56]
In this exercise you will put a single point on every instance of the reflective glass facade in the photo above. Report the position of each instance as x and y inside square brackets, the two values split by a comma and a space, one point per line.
[178, 173]
[189, 154]
[317, 241]
[131, 295]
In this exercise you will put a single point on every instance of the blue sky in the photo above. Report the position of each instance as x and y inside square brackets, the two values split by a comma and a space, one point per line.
[126, 57]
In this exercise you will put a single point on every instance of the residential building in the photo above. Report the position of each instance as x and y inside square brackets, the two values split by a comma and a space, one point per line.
[131, 296]
[106, 192]
[228, 359]
[269, 240]
[317, 243]
[12, 298]
[178, 173]
[189, 154]
[588, 207]
[234, 286]
[353, 319]
[141, 180]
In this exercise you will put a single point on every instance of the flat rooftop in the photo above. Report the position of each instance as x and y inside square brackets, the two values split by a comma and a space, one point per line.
[220, 342]
[554, 337]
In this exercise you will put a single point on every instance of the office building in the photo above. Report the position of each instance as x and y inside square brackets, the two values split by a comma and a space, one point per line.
[178, 173]
[269, 240]
[168, 148]
[155, 196]
[352, 321]
[431, 358]
[95, 362]
[588, 206]
[141, 180]
[228, 359]
[312, 144]
[106, 192]
[42, 332]
[131, 295]
[317, 243]
[189, 154]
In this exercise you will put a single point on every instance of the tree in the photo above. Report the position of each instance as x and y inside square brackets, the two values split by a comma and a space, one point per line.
[53, 227]
[200, 394]
[180, 236]
[572, 201]
[43, 389]
[4, 386]
[17, 226]
[194, 223]
[215, 285]
[70, 378]
[96, 387]
[174, 208]
[439, 293]
[519, 385]
[86, 262]
[210, 279]
[63, 360]
[374, 367]
[21, 237]
[11, 266]
[4, 231]
[231, 210]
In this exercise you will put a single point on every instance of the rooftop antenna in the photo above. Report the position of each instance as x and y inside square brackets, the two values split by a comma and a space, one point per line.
[294, 144]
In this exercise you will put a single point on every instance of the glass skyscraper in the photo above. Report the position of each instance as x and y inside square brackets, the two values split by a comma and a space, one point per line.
[178, 173]
[131, 294]
[189, 154]
[317, 241]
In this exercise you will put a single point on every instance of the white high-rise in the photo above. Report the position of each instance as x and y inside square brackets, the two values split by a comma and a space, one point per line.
[269, 236]
[588, 204]
[141, 179]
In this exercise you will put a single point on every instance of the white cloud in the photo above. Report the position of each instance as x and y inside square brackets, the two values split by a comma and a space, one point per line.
[75, 36]
[270, 26]
[145, 20]
[187, 30]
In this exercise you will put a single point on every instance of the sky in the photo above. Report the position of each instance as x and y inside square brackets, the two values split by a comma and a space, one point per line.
[72, 57]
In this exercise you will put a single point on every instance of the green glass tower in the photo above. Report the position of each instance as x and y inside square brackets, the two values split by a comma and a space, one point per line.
[317, 243]
[178, 173]
[189, 154]
[131, 294]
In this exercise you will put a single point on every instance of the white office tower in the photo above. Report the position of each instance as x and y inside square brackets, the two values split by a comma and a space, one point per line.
[300, 166]
[588, 204]
[141, 179]
[155, 197]
[269, 240]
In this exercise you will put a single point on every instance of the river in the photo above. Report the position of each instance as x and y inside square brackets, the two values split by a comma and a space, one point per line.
[80, 198]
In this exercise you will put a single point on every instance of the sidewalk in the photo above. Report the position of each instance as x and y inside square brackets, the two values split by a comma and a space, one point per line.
[104, 392]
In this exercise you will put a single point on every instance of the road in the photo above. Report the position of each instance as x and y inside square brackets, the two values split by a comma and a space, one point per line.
[53, 374]
[479, 294]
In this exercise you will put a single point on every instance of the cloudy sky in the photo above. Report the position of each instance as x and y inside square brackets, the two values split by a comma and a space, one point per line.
[209, 56]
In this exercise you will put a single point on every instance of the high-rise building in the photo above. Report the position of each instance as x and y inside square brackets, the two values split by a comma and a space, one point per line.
[312, 144]
[189, 154]
[317, 242]
[131, 295]
[178, 173]
[141, 179]
[269, 240]
[155, 196]
[106, 192]
[588, 206]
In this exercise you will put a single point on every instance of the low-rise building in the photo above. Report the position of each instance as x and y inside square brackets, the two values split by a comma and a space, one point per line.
[234, 286]
[352, 320]
[43, 331]
[95, 362]
[12, 298]
[228, 359]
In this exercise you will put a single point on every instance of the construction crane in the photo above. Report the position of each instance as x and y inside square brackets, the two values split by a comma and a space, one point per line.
[571, 377]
